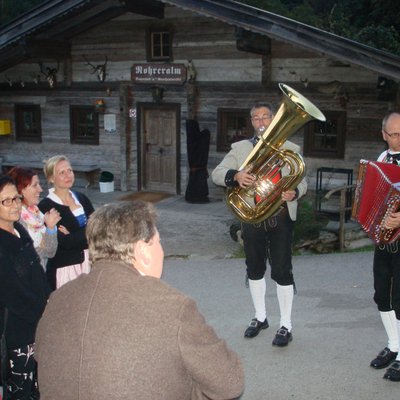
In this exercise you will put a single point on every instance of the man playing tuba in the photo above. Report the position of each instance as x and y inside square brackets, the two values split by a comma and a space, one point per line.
[269, 239]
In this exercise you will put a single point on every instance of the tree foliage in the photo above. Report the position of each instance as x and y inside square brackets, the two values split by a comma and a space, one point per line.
[10, 9]
[375, 23]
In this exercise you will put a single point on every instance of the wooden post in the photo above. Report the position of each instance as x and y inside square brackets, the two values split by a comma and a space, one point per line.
[342, 210]
[342, 215]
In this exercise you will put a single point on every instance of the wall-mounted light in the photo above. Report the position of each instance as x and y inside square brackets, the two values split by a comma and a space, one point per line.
[100, 106]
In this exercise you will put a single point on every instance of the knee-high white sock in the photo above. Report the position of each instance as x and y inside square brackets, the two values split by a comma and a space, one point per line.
[257, 291]
[390, 323]
[285, 299]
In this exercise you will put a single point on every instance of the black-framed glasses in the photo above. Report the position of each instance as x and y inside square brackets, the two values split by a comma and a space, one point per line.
[394, 135]
[8, 202]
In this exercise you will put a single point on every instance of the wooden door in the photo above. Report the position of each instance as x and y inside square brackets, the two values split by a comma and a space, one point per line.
[159, 138]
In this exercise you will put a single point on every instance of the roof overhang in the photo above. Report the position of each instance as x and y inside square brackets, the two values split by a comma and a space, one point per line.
[55, 22]
[296, 33]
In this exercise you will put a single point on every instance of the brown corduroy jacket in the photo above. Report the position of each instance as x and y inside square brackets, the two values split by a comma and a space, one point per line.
[114, 334]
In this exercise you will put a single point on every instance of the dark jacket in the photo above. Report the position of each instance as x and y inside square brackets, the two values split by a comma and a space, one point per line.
[23, 287]
[128, 336]
[70, 247]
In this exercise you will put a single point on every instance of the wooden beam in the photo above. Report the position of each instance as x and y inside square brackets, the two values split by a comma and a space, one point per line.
[47, 48]
[252, 42]
[29, 22]
[149, 8]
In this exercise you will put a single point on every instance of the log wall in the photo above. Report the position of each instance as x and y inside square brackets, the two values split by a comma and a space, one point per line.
[226, 77]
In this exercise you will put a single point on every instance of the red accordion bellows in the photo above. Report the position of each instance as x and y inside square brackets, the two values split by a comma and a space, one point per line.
[377, 195]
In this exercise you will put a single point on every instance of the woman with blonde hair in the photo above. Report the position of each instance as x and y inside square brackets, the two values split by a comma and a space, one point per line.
[71, 258]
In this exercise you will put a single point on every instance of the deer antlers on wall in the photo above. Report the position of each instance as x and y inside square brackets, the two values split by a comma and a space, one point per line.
[50, 73]
[99, 70]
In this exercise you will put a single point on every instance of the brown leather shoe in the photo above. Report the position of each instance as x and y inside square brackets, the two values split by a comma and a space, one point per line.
[254, 328]
[383, 359]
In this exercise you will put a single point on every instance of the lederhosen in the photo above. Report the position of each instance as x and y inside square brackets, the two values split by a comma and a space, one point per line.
[269, 240]
[386, 269]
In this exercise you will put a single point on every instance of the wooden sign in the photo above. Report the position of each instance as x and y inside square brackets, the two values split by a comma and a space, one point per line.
[159, 73]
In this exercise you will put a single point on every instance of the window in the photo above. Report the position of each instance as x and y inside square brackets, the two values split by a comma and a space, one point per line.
[28, 123]
[84, 123]
[326, 139]
[233, 125]
[159, 45]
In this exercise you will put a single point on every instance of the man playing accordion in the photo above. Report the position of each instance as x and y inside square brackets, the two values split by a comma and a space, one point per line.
[386, 266]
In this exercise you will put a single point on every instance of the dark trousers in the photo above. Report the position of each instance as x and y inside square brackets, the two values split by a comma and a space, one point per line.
[387, 280]
[270, 240]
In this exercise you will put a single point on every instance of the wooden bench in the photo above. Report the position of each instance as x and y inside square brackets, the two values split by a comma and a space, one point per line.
[90, 171]
[343, 208]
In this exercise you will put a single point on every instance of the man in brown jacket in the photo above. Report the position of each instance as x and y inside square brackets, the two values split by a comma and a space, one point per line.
[121, 333]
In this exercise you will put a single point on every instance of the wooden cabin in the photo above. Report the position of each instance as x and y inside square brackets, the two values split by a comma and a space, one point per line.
[112, 84]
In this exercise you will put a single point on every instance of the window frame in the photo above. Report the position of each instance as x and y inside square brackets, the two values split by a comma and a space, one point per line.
[223, 144]
[75, 138]
[150, 44]
[338, 118]
[21, 134]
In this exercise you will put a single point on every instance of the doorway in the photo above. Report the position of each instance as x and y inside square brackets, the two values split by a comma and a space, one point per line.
[160, 147]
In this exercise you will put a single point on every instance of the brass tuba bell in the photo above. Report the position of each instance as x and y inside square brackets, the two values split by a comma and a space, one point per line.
[266, 161]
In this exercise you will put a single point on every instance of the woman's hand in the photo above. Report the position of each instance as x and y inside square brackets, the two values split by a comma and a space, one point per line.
[63, 230]
[51, 218]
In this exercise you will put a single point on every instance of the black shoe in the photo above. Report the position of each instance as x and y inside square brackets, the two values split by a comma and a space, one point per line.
[393, 372]
[383, 359]
[254, 327]
[282, 337]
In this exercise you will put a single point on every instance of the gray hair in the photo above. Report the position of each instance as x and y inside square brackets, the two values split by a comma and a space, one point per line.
[387, 116]
[114, 229]
[261, 104]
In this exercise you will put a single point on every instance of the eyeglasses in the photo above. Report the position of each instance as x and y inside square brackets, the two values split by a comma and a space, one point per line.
[8, 202]
[263, 118]
[394, 135]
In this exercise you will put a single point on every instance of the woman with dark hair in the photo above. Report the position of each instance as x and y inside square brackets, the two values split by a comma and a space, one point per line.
[41, 227]
[23, 296]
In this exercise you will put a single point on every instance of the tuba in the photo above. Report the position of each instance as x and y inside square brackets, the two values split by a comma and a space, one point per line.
[255, 203]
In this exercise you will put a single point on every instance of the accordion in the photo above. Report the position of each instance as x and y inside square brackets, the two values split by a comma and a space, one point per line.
[377, 194]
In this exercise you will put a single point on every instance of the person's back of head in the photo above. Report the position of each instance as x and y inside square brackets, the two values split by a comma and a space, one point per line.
[114, 229]
[119, 333]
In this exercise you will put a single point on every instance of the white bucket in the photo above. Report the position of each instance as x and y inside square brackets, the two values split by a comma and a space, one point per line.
[106, 187]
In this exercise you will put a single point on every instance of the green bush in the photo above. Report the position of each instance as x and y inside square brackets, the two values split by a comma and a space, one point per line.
[309, 223]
